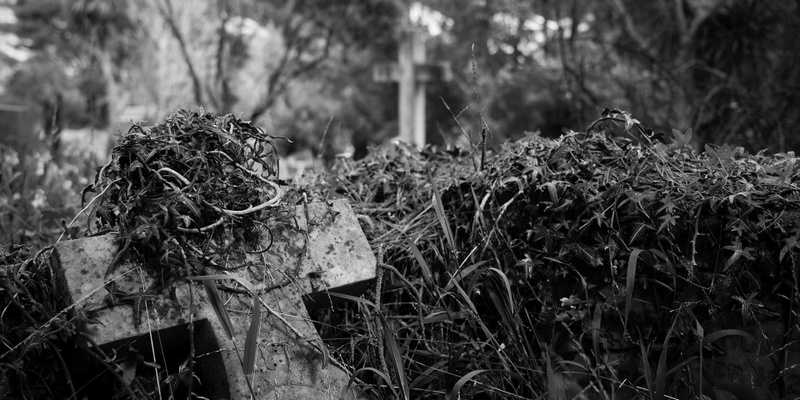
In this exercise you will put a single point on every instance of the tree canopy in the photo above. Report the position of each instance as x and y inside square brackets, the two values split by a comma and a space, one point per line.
[722, 67]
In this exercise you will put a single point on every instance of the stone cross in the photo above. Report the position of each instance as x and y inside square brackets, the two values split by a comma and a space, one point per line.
[412, 73]
[149, 334]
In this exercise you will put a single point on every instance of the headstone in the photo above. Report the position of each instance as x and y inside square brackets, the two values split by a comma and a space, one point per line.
[412, 73]
[289, 364]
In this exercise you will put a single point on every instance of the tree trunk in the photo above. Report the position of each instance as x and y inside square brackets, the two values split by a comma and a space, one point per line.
[169, 15]
[110, 112]
[226, 97]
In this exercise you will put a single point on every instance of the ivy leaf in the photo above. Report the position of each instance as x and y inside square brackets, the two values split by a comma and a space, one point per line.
[629, 121]
[552, 190]
[763, 221]
[750, 306]
[724, 156]
[187, 220]
[669, 221]
[791, 243]
[638, 230]
[669, 206]
[679, 140]
[586, 254]
[738, 252]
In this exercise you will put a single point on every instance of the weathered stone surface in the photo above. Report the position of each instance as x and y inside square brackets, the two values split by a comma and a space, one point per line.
[750, 369]
[288, 366]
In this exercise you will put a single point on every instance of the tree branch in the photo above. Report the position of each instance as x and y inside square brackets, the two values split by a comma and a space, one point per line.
[168, 13]
[630, 28]
[703, 9]
[680, 15]
[292, 65]
[223, 47]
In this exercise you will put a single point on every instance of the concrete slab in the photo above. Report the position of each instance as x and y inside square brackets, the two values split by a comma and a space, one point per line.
[288, 366]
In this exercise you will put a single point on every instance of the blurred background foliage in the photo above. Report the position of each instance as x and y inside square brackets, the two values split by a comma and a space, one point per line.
[80, 70]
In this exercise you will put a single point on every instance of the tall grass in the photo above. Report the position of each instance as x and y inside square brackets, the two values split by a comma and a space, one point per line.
[568, 269]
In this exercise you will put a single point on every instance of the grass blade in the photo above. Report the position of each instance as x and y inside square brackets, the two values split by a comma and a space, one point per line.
[503, 309]
[437, 205]
[423, 265]
[250, 342]
[219, 307]
[428, 375]
[395, 356]
[359, 300]
[453, 395]
[506, 285]
[596, 321]
[630, 280]
[661, 374]
[503, 303]
[379, 374]
[459, 275]
[689, 354]
[474, 312]
[556, 389]
[648, 369]
[439, 316]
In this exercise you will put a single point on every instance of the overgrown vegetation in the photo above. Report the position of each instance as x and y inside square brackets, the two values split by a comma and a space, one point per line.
[587, 266]
[183, 197]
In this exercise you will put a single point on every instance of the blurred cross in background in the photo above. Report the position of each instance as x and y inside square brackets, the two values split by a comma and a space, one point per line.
[411, 72]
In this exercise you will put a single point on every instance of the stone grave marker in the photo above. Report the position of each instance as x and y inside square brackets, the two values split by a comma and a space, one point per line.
[326, 253]
[412, 72]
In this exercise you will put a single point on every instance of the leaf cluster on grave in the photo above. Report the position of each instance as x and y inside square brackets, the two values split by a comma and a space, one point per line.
[585, 263]
[212, 176]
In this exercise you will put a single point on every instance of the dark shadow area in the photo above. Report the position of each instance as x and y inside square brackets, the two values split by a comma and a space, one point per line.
[165, 369]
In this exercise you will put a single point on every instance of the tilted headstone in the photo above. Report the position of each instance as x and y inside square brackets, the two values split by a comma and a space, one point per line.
[288, 363]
